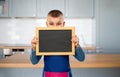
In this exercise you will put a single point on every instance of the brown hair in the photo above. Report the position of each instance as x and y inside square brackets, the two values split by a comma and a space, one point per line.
[55, 13]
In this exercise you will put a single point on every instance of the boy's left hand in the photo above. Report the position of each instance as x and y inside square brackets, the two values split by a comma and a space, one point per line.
[75, 40]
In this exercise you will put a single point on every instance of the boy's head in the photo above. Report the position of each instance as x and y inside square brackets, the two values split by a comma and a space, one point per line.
[55, 19]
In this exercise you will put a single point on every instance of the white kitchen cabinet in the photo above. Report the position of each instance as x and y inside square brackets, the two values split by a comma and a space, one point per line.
[44, 6]
[22, 8]
[40, 8]
[79, 8]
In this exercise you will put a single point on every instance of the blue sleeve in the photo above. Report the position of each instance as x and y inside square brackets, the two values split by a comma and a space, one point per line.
[33, 58]
[79, 54]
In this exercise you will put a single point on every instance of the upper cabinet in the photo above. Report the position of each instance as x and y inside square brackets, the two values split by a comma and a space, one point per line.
[3, 8]
[79, 8]
[22, 8]
[40, 8]
[44, 6]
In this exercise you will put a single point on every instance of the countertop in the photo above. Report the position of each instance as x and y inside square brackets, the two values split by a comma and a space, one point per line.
[19, 60]
[86, 47]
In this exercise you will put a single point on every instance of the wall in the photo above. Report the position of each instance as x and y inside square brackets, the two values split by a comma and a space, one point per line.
[107, 15]
[21, 31]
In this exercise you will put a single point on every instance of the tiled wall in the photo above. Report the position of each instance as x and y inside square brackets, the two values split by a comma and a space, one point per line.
[22, 30]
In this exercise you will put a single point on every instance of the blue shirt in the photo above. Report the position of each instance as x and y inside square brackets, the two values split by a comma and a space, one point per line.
[57, 63]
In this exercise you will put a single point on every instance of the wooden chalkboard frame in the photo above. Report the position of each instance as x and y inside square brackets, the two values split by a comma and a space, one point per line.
[72, 29]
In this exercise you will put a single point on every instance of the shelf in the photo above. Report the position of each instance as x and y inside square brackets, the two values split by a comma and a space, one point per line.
[89, 47]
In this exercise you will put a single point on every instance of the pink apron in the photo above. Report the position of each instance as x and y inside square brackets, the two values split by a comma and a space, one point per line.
[56, 74]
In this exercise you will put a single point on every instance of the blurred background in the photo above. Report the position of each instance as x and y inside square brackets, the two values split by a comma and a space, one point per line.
[96, 22]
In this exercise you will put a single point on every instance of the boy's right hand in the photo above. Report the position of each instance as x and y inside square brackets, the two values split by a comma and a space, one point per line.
[34, 42]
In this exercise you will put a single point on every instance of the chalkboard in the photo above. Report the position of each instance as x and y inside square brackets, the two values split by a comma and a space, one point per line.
[55, 41]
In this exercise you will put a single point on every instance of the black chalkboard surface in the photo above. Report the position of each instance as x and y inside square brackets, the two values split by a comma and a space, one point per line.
[55, 41]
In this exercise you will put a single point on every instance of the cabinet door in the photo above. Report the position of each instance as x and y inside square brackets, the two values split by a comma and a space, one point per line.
[79, 8]
[1, 53]
[3, 8]
[23, 8]
[44, 6]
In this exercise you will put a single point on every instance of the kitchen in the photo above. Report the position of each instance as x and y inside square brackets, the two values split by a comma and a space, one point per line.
[101, 17]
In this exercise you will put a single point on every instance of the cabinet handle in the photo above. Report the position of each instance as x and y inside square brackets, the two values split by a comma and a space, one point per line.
[3, 9]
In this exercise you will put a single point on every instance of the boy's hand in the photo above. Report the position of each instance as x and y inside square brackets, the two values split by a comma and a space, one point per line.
[34, 42]
[75, 40]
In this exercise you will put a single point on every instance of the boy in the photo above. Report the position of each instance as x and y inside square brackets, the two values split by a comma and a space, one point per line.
[56, 66]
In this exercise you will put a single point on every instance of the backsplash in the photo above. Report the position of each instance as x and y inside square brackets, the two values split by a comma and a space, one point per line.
[21, 31]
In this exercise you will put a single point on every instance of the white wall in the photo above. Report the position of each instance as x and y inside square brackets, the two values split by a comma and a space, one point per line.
[107, 15]
[21, 31]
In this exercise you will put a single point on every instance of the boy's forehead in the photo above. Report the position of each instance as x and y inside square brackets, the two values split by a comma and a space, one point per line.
[50, 18]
